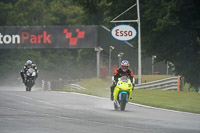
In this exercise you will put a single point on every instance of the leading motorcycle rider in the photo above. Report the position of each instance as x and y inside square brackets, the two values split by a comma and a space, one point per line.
[122, 71]
[28, 64]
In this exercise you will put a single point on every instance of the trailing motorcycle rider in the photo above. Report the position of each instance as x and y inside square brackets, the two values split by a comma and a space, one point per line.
[28, 64]
[122, 71]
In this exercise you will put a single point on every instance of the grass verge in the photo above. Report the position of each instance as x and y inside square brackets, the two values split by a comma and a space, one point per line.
[182, 101]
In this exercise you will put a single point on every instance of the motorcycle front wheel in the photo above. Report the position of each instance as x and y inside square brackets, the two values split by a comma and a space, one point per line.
[29, 85]
[123, 102]
[28, 89]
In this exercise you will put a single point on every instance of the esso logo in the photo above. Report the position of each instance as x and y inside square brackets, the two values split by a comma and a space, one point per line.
[123, 32]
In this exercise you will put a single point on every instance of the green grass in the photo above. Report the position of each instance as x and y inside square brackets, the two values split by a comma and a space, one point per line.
[182, 101]
[95, 86]
[149, 78]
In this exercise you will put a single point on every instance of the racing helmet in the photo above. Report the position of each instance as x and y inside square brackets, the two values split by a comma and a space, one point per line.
[124, 65]
[29, 63]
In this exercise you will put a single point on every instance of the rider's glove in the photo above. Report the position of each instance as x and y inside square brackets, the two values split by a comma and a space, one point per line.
[133, 86]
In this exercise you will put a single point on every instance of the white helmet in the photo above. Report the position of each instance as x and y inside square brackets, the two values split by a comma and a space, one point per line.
[124, 65]
[29, 63]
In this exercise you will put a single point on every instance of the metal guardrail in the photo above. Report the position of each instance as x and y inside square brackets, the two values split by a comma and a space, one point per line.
[165, 84]
[46, 86]
[172, 83]
[59, 84]
[76, 86]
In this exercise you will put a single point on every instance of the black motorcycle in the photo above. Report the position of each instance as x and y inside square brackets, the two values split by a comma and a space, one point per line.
[30, 76]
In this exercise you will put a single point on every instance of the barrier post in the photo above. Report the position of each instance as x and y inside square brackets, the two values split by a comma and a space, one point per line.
[43, 82]
[178, 83]
[49, 86]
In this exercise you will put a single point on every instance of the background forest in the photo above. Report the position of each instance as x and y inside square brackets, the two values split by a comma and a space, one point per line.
[170, 30]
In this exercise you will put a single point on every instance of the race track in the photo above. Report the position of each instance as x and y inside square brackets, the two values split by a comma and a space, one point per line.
[62, 112]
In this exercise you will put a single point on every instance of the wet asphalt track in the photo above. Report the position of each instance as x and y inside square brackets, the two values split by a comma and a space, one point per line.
[57, 112]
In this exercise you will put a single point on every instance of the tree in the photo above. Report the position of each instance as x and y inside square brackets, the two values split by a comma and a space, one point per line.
[47, 12]
[170, 30]
[172, 34]
[4, 12]
[52, 63]
[65, 12]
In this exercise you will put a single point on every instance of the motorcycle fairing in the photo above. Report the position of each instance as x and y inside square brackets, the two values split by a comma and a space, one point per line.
[123, 86]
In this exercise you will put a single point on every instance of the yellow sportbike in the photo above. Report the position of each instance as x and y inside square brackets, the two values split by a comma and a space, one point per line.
[122, 92]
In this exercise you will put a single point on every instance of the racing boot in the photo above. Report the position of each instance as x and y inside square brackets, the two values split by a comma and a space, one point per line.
[112, 90]
[111, 97]
[23, 80]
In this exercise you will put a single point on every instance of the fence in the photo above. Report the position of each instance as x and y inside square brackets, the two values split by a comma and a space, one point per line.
[173, 83]
[76, 86]
[59, 84]
[46, 85]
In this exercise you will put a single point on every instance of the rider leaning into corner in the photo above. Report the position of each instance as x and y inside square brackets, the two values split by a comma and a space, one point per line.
[122, 71]
[28, 64]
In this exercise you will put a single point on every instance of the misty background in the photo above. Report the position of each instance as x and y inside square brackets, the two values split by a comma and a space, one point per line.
[169, 29]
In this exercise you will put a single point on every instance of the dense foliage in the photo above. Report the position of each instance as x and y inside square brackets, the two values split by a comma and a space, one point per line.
[52, 63]
[170, 28]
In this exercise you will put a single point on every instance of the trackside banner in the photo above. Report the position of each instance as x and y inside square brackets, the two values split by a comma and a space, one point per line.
[48, 37]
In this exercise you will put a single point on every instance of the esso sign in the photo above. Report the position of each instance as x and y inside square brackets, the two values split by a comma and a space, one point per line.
[123, 32]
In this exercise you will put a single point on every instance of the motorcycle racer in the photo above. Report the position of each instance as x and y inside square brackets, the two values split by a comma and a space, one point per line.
[28, 64]
[122, 71]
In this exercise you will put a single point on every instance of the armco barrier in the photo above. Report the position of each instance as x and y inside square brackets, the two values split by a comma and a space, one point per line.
[172, 83]
[76, 86]
[59, 84]
[46, 85]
